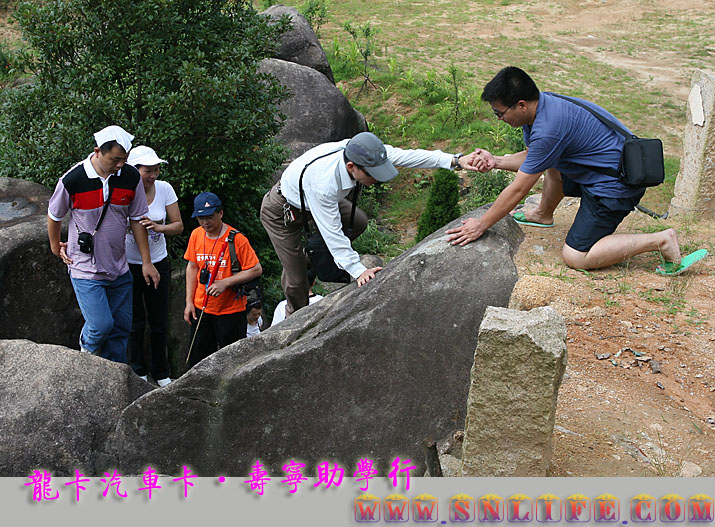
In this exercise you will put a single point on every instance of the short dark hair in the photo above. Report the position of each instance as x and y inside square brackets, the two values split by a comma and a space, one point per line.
[510, 86]
[108, 146]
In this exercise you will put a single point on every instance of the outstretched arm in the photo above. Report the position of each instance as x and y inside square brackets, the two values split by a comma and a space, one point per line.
[473, 228]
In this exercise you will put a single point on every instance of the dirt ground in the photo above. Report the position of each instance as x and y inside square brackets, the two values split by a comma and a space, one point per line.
[638, 397]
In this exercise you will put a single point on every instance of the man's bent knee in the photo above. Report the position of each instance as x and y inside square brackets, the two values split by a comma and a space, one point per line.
[573, 258]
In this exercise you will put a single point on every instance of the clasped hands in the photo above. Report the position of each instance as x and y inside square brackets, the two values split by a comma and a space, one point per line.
[480, 160]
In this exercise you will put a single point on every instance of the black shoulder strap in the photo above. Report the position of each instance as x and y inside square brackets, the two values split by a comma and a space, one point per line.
[610, 124]
[356, 191]
[235, 264]
[106, 205]
[613, 126]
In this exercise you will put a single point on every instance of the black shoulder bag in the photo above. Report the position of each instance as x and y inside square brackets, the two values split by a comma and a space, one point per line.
[641, 160]
[321, 259]
[253, 286]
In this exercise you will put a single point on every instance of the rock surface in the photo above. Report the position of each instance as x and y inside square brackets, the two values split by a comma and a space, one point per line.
[58, 407]
[317, 112]
[694, 191]
[300, 44]
[365, 373]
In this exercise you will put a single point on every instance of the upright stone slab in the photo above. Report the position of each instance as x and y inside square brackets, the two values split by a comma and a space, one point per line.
[695, 186]
[367, 372]
[518, 366]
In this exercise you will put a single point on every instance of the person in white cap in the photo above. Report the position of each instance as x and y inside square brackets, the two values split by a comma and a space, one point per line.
[330, 172]
[149, 303]
[100, 193]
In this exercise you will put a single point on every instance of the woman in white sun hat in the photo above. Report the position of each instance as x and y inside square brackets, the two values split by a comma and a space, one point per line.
[164, 219]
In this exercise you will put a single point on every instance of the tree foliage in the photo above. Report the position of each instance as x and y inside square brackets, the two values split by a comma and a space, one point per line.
[180, 75]
[442, 204]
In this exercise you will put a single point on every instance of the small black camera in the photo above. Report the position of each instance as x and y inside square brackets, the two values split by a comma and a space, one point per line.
[85, 240]
[204, 276]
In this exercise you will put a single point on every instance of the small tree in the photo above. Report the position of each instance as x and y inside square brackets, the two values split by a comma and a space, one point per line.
[363, 36]
[442, 204]
[316, 13]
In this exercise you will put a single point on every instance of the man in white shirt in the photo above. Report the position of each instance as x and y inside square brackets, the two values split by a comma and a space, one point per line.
[334, 170]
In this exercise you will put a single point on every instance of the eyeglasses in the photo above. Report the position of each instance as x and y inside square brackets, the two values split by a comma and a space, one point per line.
[501, 114]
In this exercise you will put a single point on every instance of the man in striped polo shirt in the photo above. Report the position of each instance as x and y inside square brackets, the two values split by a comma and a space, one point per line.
[96, 257]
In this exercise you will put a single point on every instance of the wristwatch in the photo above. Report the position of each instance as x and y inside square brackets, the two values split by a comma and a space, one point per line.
[457, 166]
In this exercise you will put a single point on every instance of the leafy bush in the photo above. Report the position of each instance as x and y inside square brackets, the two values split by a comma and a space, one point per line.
[344, 59]
[442, 204]
[181, 75]
[5, 61]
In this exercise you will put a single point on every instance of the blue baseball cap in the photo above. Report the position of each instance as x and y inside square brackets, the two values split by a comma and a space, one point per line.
[205, 204]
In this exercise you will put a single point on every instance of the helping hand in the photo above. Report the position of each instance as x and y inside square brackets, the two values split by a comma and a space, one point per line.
[482, 160]
[470, 230]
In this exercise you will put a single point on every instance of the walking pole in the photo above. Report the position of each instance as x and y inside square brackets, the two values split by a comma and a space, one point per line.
[212, 277]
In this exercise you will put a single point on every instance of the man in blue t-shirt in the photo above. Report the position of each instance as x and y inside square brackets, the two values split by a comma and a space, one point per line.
[563, 140]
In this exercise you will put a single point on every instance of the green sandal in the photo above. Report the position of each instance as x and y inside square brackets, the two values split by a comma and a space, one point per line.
[673, 269]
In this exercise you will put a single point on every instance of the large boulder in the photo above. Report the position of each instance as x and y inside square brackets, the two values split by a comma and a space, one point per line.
[300, 44]
[37, 301]
[57, 408]
[317, 112]
[366, 372]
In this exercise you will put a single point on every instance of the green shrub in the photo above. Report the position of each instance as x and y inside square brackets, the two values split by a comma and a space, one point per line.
[5, 61]
[442, 204]
[180, 75]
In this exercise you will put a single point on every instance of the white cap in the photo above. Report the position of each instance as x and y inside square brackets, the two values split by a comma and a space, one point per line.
[114, 133]
[144, 155]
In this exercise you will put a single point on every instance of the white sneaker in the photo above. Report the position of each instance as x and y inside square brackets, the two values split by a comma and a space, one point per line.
[163, 382]
[82, 348]
[145, 377]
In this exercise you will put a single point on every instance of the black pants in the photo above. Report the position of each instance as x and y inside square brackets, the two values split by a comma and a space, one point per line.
[152, 305]
[216, 332]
